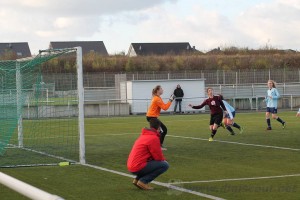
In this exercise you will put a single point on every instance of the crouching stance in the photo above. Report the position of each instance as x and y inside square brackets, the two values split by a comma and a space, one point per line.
[146, 159]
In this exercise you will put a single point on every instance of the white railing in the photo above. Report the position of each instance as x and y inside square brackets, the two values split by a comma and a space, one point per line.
[123, 107]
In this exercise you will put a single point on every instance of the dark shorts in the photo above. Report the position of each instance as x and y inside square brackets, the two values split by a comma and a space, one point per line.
[227, 115]
[216, 119]
[162, 126]
[272, 110]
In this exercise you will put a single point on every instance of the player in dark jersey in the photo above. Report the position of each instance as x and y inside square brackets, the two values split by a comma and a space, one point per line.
[215, 105]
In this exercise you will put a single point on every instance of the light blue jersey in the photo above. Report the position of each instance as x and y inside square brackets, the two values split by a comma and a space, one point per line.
[229, 109]
[272, 102]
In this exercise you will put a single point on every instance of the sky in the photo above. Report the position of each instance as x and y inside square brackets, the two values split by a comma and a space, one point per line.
[206, 24]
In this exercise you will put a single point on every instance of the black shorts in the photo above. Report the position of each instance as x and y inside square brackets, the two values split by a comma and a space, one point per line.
[272, 110]
[148, 118]
[216, 119]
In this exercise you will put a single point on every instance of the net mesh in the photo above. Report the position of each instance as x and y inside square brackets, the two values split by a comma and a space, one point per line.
[39, 125]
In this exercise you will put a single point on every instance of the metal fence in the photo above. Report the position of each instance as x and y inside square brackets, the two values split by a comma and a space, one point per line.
[245, 90]
[242, 97]
[253, 90]
[223, 77]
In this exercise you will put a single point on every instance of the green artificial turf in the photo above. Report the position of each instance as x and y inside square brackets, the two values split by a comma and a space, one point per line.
[191, 158]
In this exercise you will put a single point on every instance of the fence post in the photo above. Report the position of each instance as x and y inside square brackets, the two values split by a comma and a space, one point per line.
[28, 107]
[284, 74]
[168, 76]
[236, 82]
[224, 81]
[69, 112]
[104, 79]
[269, 74]
[239, 76]
[217, 76]
[47, 96]
[256, 103]
[108, 108]
[291, 102]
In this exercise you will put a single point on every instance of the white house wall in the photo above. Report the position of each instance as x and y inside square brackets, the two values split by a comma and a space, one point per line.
[139, 93]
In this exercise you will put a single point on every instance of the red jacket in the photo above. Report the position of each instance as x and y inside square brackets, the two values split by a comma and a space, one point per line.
[147, 147]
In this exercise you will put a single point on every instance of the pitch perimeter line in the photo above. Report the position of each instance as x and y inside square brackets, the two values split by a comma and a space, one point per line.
[131, 176]
[236, 179]
[167, 185]
[239, 143]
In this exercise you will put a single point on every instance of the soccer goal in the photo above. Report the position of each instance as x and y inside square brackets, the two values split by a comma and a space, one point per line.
[38, 127]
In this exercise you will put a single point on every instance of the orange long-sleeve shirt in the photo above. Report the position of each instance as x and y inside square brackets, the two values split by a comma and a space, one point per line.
[156, 105]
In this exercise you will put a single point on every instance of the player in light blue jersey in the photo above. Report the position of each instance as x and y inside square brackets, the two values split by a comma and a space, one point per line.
[271, 101]
[298, 113]
[228, 118]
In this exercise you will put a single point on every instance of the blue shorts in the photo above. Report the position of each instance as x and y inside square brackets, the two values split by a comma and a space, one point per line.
[228, 116]
[272, 110]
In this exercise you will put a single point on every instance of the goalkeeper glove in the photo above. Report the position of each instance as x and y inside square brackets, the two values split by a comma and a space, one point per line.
[172, 97]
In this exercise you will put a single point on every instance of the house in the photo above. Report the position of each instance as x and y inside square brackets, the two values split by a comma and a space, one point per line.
[144, 49]
[215, 51]
[87, 46]
[19, 49]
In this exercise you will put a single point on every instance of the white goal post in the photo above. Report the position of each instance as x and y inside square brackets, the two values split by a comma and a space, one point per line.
[80, 90]
[22, 187]
[26, 189]
[80, 105]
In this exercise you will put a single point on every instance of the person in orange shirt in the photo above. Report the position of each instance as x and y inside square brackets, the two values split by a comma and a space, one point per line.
[155, 107]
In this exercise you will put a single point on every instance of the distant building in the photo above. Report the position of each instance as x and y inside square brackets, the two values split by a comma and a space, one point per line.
[215, 51]
[20, 49]
[87, 46]
[290, 51]
[144, 49]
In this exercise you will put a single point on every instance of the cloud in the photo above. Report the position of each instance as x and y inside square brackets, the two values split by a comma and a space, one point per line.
[79, 7]
[40, 21]
[204, 29]
[119, 23]
[275, 23]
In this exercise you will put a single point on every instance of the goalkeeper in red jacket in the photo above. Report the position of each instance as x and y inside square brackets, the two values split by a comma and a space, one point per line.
[146, 159]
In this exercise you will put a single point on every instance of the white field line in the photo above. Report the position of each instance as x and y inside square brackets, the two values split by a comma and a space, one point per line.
[43, 153]
[178, 136]
[145, 122]
[167, 185]
[76, 136]
[131, 176]
[239, 143]
[236, 179]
